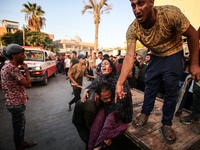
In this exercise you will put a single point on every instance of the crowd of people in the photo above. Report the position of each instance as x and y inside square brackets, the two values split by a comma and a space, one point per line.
[136, 76]
[97, 116]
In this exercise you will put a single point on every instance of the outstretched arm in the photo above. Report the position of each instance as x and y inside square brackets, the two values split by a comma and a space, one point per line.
[90, 76]
[126, 69]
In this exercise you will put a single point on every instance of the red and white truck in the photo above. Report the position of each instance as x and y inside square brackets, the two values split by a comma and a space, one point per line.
[41, 64]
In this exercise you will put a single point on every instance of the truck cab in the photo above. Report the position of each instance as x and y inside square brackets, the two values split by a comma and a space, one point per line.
[41, 64]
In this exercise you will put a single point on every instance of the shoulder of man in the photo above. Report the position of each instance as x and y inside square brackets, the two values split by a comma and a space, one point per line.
[11, 69]
[90, 104]
[167, 8]
[75, 65]
[168, 11]
[9, 66]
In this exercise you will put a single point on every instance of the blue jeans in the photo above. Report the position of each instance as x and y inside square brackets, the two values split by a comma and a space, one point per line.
[18, 122]
[170, 68]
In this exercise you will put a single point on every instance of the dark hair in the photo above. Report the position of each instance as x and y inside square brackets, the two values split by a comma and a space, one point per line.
[100, 53]
[121, 60]
[2, 59]
[74, 52]
[106, 56]
[114, 70]
[102, 87]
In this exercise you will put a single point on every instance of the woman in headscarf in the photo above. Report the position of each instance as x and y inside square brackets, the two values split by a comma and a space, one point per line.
[115, 116]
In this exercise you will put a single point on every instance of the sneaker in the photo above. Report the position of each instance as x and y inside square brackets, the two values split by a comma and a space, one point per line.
[69, 107]
[189, 120]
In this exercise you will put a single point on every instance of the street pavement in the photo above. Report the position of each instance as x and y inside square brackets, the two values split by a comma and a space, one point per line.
[48, 120]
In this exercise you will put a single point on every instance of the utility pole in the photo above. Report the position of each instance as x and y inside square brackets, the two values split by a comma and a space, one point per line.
[23, 36]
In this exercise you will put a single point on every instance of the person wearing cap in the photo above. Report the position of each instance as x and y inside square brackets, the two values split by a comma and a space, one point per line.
[76, 74]
[13, 86]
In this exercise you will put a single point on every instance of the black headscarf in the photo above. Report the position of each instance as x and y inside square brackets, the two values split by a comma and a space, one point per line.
[123, 106]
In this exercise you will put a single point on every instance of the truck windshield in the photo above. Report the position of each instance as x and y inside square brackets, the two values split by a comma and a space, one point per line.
[33, 55]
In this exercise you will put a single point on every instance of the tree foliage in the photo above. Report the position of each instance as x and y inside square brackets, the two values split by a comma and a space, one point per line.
[9, 38]
[37, 38]
[97, 9]
[34, 16]
[33, 38]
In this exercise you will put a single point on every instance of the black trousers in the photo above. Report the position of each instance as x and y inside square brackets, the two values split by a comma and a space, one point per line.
[77, 93]
[83, 132]
[66, 71]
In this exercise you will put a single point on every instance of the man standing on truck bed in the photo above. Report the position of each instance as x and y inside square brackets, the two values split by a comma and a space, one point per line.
[13, 86]
[160, 29]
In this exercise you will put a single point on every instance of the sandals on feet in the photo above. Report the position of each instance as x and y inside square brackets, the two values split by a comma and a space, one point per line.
[140, 120]
[170, 134]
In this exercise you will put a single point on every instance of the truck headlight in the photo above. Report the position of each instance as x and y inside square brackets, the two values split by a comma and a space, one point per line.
[36, 68]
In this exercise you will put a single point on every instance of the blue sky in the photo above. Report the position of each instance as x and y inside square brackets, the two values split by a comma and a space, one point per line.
[64, 19]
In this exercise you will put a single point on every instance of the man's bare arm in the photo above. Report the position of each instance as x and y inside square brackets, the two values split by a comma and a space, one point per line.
[126, 69]
[193, 44]
[26, 81]
[73, 81]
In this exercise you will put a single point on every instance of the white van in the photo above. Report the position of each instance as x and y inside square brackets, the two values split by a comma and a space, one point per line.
[40, 62]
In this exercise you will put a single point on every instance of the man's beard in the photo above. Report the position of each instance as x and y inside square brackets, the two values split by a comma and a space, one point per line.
[104, 103]
[21, 62]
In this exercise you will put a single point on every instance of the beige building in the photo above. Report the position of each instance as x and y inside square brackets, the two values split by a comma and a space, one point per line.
[75, 44]
[190, 8]
[9, 26]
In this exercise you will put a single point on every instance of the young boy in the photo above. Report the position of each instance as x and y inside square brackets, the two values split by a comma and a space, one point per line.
[76, 74]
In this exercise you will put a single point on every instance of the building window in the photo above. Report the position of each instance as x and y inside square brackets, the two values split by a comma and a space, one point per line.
[77, 47]
[8, 30]
[60, 46]
[68, 46]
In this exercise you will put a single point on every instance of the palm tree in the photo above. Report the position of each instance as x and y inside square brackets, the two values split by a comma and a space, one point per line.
[34, 16]
[97, 10]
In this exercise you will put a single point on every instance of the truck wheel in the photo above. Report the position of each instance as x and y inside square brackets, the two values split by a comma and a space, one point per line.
[45, 81]
[55, 73]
